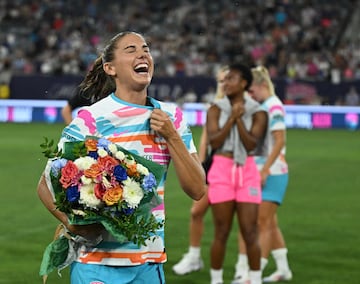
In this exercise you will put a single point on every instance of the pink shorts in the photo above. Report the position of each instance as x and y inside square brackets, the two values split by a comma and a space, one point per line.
[228, 181]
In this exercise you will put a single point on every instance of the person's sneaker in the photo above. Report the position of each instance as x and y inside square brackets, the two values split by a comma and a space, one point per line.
[241, 280]
[188, 264]
[241, 274]
[278, 276]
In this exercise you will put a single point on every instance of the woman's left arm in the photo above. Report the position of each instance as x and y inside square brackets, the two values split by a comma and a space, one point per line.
[187, 166]
[251, 138]
[279, 138]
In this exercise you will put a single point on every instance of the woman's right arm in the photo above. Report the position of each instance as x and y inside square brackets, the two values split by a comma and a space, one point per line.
[66, 113]
[87, 231]
[203, 145]
[217, 135]
[47, 199]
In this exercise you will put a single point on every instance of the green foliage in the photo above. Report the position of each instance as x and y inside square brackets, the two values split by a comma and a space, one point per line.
[49, 150]
[136, 228]
[74, 150]
[317, 217]
[136, 225]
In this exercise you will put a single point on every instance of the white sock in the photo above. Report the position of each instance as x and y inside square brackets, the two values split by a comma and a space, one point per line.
[241, 266]
[280, 257]
[216, 275]
[242, 260]
[194, 251]
[255, 276]
[264, 262]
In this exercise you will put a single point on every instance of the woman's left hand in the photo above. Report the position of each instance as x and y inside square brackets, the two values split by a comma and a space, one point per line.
[162, 124]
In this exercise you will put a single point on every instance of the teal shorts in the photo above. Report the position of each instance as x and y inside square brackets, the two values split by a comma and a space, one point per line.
[275, 188]
[148, 273]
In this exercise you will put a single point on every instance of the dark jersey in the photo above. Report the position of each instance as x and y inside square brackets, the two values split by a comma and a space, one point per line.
[80, 99]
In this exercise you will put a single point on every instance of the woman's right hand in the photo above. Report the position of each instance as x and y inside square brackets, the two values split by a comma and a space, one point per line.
[89, 232]
[238, 110]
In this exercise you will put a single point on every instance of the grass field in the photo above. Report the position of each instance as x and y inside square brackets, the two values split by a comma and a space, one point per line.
[318, 218]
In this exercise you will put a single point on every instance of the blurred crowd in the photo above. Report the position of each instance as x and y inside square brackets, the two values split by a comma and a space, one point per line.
[300, 39]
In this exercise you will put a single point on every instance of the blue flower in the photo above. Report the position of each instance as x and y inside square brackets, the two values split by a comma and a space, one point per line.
[72, 193]
[128, 211]
[149, 182]
[120, 173]
[104, 143]
[93, 154]
[57, 165]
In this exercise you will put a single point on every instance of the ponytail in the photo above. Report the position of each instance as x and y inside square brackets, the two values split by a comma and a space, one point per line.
[97, 84]
[261, 76]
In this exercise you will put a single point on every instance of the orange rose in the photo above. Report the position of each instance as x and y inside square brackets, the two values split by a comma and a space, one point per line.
[112, 195]
[94, 171]
[107, 163]
[91, 144]
[132, 171]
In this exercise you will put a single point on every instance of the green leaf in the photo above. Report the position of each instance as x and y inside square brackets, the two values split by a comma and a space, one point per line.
[74, 150]
[49, 150]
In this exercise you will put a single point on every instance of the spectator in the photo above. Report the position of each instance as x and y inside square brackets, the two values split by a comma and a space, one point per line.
[352, 97]
[5, 78]
[193, 38]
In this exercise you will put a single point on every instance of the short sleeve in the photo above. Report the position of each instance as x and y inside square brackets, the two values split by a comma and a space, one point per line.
[277, 118]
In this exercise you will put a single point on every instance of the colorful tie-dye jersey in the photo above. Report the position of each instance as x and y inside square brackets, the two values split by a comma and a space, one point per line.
[128, 125]
[276, 116]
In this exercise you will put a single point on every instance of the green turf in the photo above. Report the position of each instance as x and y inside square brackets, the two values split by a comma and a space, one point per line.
[318, 218]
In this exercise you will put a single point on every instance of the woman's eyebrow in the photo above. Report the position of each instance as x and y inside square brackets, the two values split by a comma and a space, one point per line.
[129, 46]
[133, 46]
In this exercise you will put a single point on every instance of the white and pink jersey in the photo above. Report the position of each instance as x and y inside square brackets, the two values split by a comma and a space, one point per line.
[128, 125]
[276, 112]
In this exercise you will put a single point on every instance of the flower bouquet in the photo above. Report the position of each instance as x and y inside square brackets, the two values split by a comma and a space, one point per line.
[96, 181]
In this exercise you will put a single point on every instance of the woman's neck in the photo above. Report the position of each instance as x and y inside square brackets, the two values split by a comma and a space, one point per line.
[133, 97]
[237, 98]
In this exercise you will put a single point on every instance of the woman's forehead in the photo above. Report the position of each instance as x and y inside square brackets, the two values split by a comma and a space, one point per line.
[233, 73]
[132, 38]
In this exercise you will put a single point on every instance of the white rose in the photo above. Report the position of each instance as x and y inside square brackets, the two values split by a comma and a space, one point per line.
[84, 163]
[120, 155]
[102, 152]
[129, 161]
[142, 170]
[86, 180]
[113, 149]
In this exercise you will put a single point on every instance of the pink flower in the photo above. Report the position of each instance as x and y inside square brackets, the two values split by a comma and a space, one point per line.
[107, 163]
[69, 174]
[99, 191]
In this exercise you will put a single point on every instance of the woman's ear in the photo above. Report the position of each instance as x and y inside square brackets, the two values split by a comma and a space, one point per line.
[109, 68]
[243, 83]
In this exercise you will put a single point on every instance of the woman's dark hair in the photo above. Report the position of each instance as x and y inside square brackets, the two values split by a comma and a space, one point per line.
[109, 49]
[245, 72]
[97, 84]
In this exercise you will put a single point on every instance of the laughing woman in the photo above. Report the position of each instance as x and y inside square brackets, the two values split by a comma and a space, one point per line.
[143, 126]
